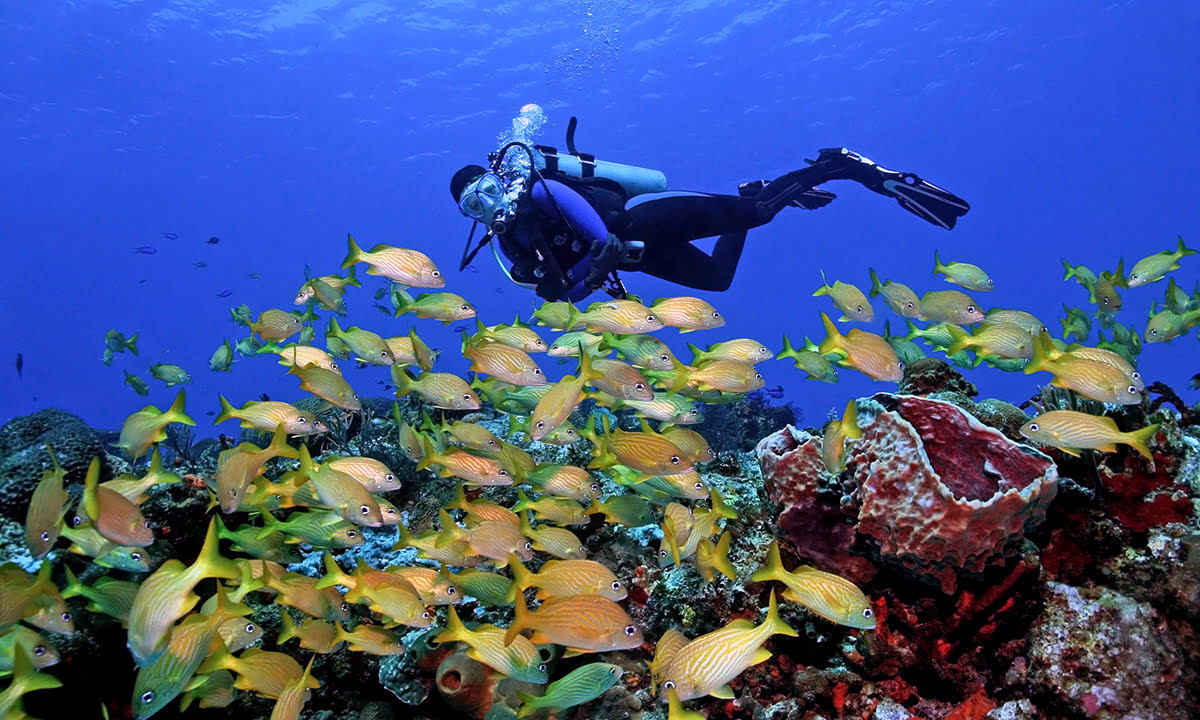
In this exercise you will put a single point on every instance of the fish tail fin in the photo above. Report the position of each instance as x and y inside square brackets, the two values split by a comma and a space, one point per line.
[454, 631]
[279, 444]
[520, 619]
[73, 588]
[719, 505]
[668, 530]
[288, 628]
[774, 569]
[938, 267]
[586, 371]
[270, 526]
[334, 575]
[429, 453]
[403, 380]
[776, 623]
[219, 659]
[516, 424]
[608, 341]
[523, 502]
[788, 351]
[460, 499]
[697, 353]
[177, 412]
[210, 562]
[833, 338]
[961, 339]
[406, 538]
[353, 253]
[720, 558]
[450, 530]
[876, 285]
[529, 704]
[824, 289]
[91, 503]
[352, 279]
[1040, 360]
[850, 421]
[1139, 440]
[1069, 271]
[26, 679]
[131, 342]
[401, 302]
[522, 578]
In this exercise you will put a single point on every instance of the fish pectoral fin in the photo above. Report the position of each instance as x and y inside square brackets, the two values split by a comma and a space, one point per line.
[1070, 451]
[760, 655]
[1110, 447]
[724, 692]
[576, 652]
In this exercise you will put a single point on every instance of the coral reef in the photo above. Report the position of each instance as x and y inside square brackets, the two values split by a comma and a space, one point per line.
[23, 454]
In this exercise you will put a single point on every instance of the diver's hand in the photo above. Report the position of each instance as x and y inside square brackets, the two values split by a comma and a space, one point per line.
[605, 258]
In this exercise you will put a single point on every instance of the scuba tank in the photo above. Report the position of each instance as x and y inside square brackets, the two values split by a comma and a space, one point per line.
[635, 180]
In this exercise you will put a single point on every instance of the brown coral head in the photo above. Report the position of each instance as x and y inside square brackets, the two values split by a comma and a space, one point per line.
[466, 685]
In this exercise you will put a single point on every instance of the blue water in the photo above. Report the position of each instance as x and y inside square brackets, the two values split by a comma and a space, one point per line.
[1073, 129]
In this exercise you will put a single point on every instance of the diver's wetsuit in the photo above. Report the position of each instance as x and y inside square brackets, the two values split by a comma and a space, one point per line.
[572, 219]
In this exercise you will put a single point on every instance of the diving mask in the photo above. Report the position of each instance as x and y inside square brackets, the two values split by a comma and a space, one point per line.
[484, 198]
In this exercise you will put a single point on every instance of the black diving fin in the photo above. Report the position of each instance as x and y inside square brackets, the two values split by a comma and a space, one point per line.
[810, 199]
[920, 197]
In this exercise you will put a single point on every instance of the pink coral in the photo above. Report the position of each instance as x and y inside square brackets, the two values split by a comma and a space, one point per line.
[936, 489]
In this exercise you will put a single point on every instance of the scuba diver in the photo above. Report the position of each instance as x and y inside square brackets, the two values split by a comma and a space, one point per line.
[569, 223]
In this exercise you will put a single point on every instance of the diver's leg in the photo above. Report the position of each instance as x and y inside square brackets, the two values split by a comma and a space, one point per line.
[689, 266]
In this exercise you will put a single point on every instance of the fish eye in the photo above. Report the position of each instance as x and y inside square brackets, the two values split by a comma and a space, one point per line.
[389, 478]
[135, 556]
[971, 309]
[391, 511]
[66, 617]
[249, 628]
[669, 685]
[631, 630]
[612, 671]
[594, 487]
[1105, 301]
[859, 308]
[451, 590]
[570, 432]
[540, 424]
[537, 371]
[76, 521]
[503, 473]
[583, 548]
[1033, 427]
[699, 485]
[1134, 276]
[40, 650]
[146, 523]
[492, 442]
[867, 613]
[45, 537]
[664, 357]
[464, 308]
[542, 667]
[351, 534]
[365, 509]
[695, 411]
[991, 282]
[467, 397]
[425, 615]
[1153, 332]
[1136, 375]
[616, 585]
[333, 366]
[301, 420]
[528, 546]
[1132, 390]
[148, 697]
[908, 305]
[650, 318]
[675, 460]
[662, 553]
[716, 314]
[757, 376]
[345, 607]
[639, 386]
[233, 492]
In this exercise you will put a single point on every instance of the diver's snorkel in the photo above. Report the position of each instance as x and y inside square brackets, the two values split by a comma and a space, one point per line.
[514, 180]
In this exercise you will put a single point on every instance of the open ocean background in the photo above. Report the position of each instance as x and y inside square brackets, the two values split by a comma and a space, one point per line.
[1072, 128]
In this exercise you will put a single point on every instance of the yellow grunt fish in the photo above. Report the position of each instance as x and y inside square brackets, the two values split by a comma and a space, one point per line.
[518, 659]
[327, 385]
[47, 505]
[268, 415]
[276, 325]
[621, 380]
[831, 596]
[1095, 380]
[303, 355]
[135, 489]
[1028, 321]
[616, 316]
[265, 672]
[650, 453]
[402, 265]
[686, 313]
[705, 665]
[340, 492]
[148, 426]
[564, 578]
[866, 352]
[366, 345]
[166, 595]
[517, 335]
[1003, 339]
[442, 390]
[899, 298]
[581, 623]
[556, 541]
[444, 306]
[560, 400]
[971, 277]
[847, 298]
[503, 362]
[294, 695]
[369, 472]
[837, 434]
[1071, 431]
[1155, 267]
[242, 465]
[473, 469]
[112, 515]
[741, 349]
[950, 306]
[411, 350]
[572, 343]
[712, 559]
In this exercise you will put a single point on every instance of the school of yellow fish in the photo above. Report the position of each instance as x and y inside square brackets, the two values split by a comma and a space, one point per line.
[199, 652]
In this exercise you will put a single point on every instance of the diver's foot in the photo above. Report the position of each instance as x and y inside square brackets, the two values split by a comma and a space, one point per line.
[920, 197]
[810, 199]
